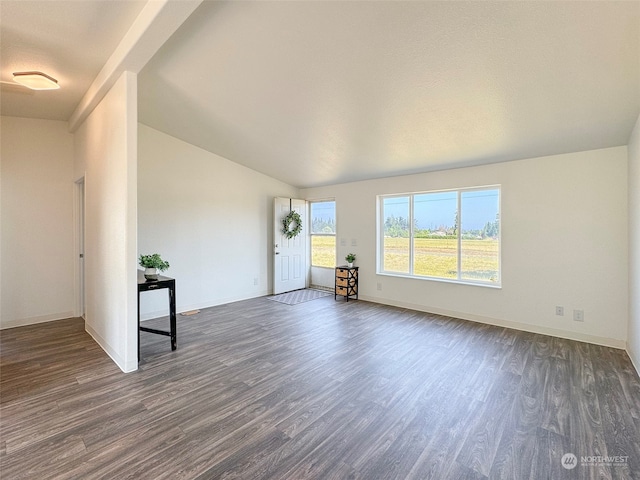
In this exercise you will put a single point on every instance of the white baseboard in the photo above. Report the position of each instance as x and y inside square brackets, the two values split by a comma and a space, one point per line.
[525, 327]
[126, 367]
[155, 314]
[34, 320]
[634, 361]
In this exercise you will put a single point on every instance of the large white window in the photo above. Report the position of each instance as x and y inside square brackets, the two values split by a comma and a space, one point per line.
[451, 235]
[323, 234]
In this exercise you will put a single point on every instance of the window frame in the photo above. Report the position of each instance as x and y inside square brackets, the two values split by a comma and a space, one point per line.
[458, 280]
[311, 234]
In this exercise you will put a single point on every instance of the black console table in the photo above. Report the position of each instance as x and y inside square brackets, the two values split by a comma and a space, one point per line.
[145, 285]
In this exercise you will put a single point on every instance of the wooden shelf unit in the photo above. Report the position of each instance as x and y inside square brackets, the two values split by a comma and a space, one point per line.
[346, 282]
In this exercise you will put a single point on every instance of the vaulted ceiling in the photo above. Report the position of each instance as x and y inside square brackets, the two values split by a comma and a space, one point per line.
[326, 92]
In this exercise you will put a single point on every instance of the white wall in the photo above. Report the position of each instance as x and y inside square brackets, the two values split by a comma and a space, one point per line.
[633, 342]
[210, 218]
[37, 221]
[564, 242]
[324, 277]
[106, 155]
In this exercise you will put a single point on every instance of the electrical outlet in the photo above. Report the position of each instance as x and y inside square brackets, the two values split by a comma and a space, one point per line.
[380, 286]
[578, 315]
[343, 242]
[255, 281]
[354, 242]
[560, 311]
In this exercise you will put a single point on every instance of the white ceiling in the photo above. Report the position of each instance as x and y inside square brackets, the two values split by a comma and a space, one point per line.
[317, 93]
[69, 40]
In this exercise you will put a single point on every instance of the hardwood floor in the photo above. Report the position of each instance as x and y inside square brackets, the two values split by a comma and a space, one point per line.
[319, 390]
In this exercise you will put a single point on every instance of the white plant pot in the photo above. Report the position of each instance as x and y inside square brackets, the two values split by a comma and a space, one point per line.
[151, 273]
[350, 264]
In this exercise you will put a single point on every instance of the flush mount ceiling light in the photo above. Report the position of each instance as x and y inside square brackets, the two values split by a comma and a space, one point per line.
[36, 80]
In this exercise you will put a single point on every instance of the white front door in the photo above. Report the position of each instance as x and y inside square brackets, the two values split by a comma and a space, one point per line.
[290, 259]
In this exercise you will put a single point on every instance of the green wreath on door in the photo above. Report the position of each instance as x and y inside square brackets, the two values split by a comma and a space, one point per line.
[292, 225]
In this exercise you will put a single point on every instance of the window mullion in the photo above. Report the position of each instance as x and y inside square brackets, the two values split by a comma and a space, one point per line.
[459, 233]
[411, 242]
[380, 246]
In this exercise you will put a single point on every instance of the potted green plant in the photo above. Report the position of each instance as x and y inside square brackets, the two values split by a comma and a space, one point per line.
[350, 258]
[151, 264]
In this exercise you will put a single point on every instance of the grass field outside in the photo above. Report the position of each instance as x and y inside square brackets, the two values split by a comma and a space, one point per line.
[433, 257]
[438, 257]
[323, 251]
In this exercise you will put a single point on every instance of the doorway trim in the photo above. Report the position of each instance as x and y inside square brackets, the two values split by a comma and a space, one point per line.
[79, 308]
